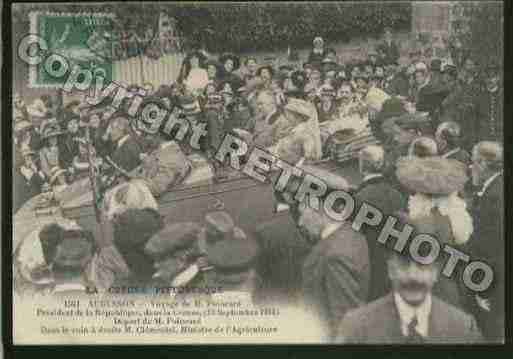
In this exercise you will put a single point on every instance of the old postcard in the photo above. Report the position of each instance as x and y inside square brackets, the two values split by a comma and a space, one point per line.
[256, 173]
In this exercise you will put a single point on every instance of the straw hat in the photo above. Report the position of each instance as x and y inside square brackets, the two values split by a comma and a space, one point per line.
[27, 151]
[55, 172]
[431, 175]
[235, 59]
[51, 129]
[21, 125]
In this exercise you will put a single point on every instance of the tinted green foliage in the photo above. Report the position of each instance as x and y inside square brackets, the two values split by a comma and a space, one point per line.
[254, 26]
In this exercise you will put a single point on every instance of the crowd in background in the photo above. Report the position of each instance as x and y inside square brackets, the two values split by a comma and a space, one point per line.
[428, 127]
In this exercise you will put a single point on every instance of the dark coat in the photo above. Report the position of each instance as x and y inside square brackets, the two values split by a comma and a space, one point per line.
[380, 193]
[379, 323]
[283, 250]
[461, 155]
[399, 85]
[439, 226]
[126, 156]
[316, 58]
[336, 276]
[390, 51]
[68, 150]
[430, 97]
[329, 115]
[487, 245]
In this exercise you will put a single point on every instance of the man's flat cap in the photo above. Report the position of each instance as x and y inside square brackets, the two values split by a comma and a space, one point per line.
[172, 238]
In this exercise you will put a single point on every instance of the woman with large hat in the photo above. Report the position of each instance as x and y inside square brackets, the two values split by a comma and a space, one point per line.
[435, 208]
[33, 177]
[193, 74]
[50, 152]
[230, 63]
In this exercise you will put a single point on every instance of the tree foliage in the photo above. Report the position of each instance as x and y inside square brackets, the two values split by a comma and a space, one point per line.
[483, 35]
[249, 26]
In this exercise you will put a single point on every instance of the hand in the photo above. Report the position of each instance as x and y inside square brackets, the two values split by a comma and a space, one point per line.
[483, 303]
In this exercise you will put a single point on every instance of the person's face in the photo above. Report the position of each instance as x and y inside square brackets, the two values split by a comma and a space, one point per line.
[288, 85]
[373, 59]
[94, 122]
[52, 141]
[149, 89]
[116, 132]
[388, 35]
[362, 84]
[410, 107]
[266, 104]
[211, 71]
[194, 62]
[344, 92]
[29, 160]
[308, 71]
[266, 75]
[478, 169]
[310, 222]
[470, 66]
[175, 91]
[441, 143]
[73, 126]
[315, 76]
[18, 101]
[411, 280]
[420, 77]
[61, 179]
[228, 65]
[492, 81]
[227, 98]
[210, 89]
[330, 75]
[252, 66]
[325, 98]
[318, 44]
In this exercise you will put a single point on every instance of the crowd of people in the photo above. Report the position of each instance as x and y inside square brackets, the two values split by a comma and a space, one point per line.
[431, 155]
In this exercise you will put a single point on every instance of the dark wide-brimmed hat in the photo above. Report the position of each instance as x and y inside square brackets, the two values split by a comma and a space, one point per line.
[393, 107]
[233, 254]
[172, 238]
[268, 67]
[299, 79]
[212, 62]
[75, 251]
[201, 57]
[450, 70]
[327, 90]
[135, 227]
[236, 61]
[431, 175]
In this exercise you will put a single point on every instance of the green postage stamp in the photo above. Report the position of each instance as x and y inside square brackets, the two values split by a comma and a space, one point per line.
[82, 39]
